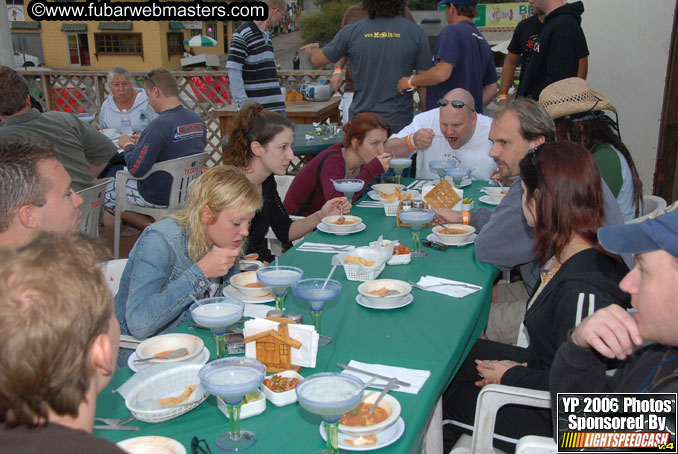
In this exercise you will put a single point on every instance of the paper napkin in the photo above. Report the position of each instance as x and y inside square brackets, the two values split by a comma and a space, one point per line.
[452, 289]
[415, 377]
[306, 334]
[324, 247]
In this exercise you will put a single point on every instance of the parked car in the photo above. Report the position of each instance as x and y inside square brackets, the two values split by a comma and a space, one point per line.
[23, 60]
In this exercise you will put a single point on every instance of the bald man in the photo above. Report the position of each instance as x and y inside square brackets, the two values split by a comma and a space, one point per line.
[452, 132]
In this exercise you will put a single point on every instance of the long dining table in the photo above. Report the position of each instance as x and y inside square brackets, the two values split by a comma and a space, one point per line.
[433, 333]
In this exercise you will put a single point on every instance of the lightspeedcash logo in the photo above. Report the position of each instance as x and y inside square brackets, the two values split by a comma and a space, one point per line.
[41, 10]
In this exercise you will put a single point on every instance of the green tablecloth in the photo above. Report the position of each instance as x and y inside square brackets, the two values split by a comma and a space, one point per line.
[435, 333]
[316, 143]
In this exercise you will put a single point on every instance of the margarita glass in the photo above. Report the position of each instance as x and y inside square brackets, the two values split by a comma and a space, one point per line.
[218, 314]
[316, 292]
[230, 379]
[348, 187]
[279, 278]
[458, 173]
[330, 395]
[416, 219]
[398, 165]
[440, 167]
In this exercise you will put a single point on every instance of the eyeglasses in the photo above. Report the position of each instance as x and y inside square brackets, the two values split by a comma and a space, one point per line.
[148, 78]
[200, 446]
[434, 245]
[455, 103]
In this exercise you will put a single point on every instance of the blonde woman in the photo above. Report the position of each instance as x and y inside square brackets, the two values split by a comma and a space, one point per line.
[190, 254]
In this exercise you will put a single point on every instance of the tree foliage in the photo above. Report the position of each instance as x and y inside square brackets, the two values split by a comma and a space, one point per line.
[321, 27]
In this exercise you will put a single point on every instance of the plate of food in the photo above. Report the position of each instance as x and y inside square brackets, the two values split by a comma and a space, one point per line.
[369, 442]
[436, 239]
[490, 200]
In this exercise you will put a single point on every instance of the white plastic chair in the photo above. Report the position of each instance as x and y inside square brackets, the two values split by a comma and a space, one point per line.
[652, 204]
[92, 207]
[490, 399]
[183, 171]
[112, 271]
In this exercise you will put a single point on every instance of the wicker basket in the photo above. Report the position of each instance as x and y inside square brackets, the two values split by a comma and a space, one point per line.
[391, 209]
[358, 272]
[167, 383]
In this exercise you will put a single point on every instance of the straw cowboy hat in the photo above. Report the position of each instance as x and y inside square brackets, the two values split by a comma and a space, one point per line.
[572, 96]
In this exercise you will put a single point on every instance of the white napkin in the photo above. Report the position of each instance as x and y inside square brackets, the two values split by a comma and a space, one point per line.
[257, 310]
[415, 377]
[453, 289]
[306, 334]
[324, 247]
[143, 375]
[370, 204]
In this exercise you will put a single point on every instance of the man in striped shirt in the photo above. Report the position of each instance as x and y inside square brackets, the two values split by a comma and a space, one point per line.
[251, 62]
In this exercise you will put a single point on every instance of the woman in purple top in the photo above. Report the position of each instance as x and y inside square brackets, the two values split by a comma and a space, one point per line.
[260, 145]
[361, 156]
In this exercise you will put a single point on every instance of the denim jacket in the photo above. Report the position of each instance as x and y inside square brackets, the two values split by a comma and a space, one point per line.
[158, 282]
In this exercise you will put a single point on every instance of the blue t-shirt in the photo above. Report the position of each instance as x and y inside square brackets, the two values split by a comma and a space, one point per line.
[463, 46]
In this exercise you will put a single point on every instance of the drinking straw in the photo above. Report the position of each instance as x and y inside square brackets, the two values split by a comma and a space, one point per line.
[329, 276]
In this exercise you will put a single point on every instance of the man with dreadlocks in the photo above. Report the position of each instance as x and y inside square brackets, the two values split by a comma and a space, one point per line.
[382, 48]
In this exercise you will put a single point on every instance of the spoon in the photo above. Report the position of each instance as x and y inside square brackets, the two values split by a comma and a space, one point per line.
[178, 353]
[341, 213]
[391, 383]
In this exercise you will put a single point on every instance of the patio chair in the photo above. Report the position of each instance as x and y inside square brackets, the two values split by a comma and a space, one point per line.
[490, 399]
[652, 204]
[92, 207]
[183, 171]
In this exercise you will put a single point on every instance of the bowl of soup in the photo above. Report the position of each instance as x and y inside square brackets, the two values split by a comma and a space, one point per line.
[337, 224]
[384, 292]
[359, 422]
[247, 284]
[495, 194]
[454, 233]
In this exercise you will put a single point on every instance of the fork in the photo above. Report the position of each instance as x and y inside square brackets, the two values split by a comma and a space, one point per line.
[334, 248]
[115, 422]
[426, 287]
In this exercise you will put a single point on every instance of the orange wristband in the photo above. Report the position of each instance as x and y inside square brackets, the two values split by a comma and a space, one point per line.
[410, 84]
[410, 143]
[338, 70]
[128, 143]
[465, 217]
[503, 96]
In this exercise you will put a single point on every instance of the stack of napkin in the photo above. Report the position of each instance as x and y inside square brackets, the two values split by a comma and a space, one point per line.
[452, 288]
[306, 334]
[308, 246]
[415, 377]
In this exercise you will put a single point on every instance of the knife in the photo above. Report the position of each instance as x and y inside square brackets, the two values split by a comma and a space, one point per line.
[114, 427]
[371, 374]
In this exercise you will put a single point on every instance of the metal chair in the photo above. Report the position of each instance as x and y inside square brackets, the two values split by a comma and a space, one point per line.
[652, 204]
[490, 399]
[183, 171]
[92, 207]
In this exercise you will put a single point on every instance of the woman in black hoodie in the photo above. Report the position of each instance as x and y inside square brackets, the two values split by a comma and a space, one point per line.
[563, 202]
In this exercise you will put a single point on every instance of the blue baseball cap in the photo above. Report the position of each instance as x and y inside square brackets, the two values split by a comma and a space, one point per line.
[458, 2]
[660, 231]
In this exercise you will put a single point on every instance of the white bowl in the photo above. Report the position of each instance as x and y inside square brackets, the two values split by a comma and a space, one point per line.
[241, 280]
[402, 287]
[496, 193]
[153, 444]
[386, 248]
[350, 223]
[158, 344]
[251, 408]
[387, 187]
[467, 230]
[388, 403]
[282, 398]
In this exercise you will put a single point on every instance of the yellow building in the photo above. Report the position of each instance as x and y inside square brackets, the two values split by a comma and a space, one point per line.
[101, 45]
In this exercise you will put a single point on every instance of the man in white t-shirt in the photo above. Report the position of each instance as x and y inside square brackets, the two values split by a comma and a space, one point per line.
[452, 132]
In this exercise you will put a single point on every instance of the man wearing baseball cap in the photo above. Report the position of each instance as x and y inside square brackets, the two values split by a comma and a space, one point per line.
[462, 59]
[611, 332]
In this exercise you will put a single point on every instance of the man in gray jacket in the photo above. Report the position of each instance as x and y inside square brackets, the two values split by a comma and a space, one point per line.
[504, 239]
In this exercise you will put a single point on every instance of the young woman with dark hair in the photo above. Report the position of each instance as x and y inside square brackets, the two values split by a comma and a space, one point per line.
[260, 146]
[563, 201]
[361, 156]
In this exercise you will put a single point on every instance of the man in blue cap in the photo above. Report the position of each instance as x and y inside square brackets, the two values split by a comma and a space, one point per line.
[462, 59]
[612, 332]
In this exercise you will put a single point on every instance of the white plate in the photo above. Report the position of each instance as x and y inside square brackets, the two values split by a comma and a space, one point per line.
[374, 195]
[358, 228]
[466, 181]
[488, 200]
[234, 293]
[385, 438]
[200, 358]
[152, 444]
[437, 239]
[368, 304]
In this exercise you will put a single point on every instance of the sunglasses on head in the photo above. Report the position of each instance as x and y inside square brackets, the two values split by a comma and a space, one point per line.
[455, 103]
[150, 80]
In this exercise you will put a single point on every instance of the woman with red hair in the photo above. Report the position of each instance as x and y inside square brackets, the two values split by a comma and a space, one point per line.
[563, 201]
[360, 156]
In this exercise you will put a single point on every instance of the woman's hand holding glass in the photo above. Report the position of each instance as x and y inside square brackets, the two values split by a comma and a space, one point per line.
[334, 207]
[218, 262]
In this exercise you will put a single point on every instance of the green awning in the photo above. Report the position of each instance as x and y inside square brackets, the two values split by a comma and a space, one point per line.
[73, 27]
[176, 26]
[115, 26]
[24, 25]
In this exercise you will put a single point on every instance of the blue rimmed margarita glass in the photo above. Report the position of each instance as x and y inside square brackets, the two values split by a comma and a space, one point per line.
[416, 219]
[218, 314]
[316, 292]
[279, 278]
[348, 186]
[398, 165]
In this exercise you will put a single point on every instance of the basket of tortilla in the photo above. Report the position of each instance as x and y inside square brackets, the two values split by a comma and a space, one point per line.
[361, 264]
[167, 394]
[336, 224]
[454, 233]
[391, 200]
[387, 187]
[358, 422]
[247, 284]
